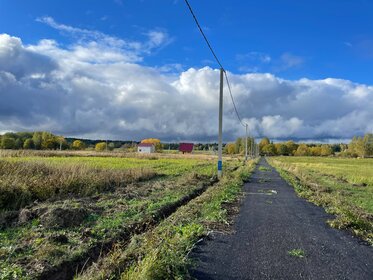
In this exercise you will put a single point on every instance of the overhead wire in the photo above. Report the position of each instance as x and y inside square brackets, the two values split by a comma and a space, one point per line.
[217, 60]
[203, 34]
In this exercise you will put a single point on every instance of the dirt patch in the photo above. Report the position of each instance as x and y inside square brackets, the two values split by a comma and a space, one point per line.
[8, 218]
[63, 217]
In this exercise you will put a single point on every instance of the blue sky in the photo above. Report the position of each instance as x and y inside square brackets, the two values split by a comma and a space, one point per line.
[313, 39]
[133, 69]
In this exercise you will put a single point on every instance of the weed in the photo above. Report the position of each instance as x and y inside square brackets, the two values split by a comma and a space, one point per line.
[264, 169]
[299, 253]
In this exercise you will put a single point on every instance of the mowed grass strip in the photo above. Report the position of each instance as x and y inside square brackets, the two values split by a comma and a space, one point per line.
[343, 187]
[162, 253]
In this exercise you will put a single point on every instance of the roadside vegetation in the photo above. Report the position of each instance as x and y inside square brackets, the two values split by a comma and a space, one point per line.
[162, 253]
[60, 214]
[344, 187]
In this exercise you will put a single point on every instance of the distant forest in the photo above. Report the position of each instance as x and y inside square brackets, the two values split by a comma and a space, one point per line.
[42, 140]
[358, 147]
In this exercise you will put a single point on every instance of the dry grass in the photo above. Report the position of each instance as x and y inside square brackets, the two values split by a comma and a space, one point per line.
[21, 183]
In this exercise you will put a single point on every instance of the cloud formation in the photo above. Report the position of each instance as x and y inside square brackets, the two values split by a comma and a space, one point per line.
[98, 89]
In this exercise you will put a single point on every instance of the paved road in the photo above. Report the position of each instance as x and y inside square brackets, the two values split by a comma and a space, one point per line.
[268, 227]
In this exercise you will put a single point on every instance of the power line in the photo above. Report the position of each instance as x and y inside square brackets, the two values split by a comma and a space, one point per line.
[203, 34]
[217, 60]
[234, 104]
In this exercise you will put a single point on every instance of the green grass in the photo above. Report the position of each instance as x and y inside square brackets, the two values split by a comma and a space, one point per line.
[162, 253]
[119, 194]
[166, 166]
[298, 253]
[342, 186]
[264, 169]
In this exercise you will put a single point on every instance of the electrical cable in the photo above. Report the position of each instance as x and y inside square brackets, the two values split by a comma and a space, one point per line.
[217, 60]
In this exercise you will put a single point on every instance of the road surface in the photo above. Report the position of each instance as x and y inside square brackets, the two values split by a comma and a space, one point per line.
[274, 229]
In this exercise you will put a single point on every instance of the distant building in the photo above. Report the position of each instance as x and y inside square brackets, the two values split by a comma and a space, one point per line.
[146, 148]
[186, 147]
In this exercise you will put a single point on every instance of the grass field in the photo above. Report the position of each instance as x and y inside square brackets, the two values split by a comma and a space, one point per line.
[60, 213]
[343, 186]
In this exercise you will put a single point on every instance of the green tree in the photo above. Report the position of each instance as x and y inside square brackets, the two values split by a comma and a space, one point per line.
[37, 140]
[28, 144]
[111, 146]
[8, 143]
[264, 142]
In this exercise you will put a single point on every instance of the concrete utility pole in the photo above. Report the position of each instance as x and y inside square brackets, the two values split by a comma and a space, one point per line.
[246, 144]
[220, 138]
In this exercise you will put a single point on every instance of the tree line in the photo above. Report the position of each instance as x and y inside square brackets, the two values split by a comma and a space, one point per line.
[358, 147]
[43, 140]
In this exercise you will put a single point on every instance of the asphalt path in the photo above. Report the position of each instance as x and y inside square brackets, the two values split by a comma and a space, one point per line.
[274, 223]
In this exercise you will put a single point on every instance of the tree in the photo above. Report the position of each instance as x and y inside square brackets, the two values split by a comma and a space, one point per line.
[302, 150]
[78, 145]
[28, 144]
[326, 150]
[281, 149]
[264, 142]
[238, 145]
[8, 143]
[356, 147]
[291, 147]
[62, 143]
[37, 139]
[111, 146]
[368, 144]
[49, 141]
[230, 148]
[315, 151]
[269, 150]
[18, 144]
[100, 147]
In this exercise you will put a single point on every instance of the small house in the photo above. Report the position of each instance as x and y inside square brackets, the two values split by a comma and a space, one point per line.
[145, 148]
[186, 147]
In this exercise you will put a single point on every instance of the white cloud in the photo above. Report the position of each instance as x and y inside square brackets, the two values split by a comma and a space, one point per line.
[96, 90]
[95, 45]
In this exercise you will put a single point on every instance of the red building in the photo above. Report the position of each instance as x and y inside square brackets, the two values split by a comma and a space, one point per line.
[186, 147]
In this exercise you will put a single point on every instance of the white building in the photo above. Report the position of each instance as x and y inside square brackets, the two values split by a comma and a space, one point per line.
[146, 148]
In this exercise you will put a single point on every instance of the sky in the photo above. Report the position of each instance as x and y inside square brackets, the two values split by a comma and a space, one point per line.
[128, 70]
